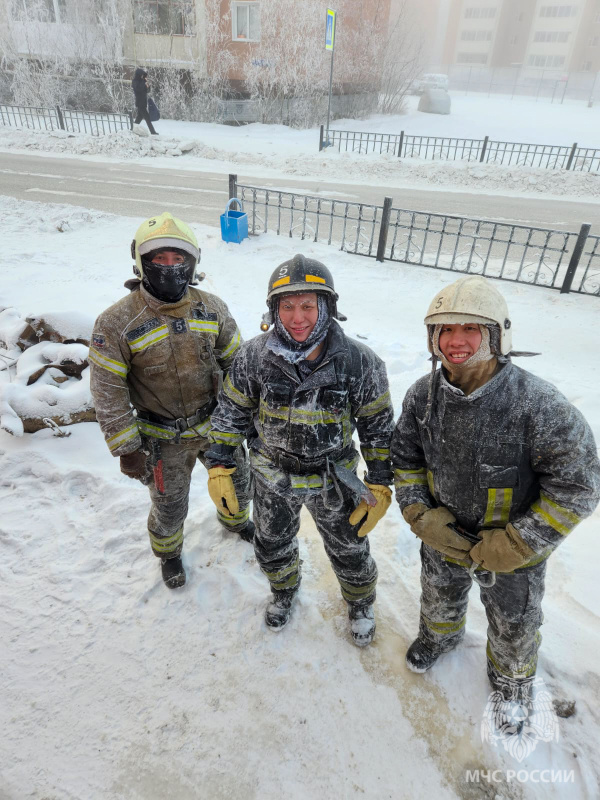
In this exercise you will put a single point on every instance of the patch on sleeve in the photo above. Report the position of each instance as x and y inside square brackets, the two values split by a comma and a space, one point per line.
[98, 340]
[202, 313]
[179, 326]
[147, 326]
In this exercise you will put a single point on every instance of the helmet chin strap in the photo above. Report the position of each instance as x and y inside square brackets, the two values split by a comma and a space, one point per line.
[483, 353]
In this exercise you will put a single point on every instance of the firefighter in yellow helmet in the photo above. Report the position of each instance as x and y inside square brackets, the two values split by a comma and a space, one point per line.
[157, 357]
[493, 467]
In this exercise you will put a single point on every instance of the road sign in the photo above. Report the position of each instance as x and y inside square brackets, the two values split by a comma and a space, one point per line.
[330, 29]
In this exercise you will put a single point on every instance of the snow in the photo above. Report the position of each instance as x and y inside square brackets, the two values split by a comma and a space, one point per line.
[115, 687]
[275, 150]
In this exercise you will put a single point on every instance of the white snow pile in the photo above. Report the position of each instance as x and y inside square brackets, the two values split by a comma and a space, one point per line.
[45, 360]
[118, 689]
[330, 165]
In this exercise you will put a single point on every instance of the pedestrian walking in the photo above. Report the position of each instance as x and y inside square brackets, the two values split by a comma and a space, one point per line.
[140, 90]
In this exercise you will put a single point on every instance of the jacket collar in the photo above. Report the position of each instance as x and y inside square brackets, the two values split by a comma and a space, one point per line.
[455, 394]
[323, 375]
[178, 309]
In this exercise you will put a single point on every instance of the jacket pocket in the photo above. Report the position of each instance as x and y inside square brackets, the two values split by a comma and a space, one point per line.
[498, 477]
[154, 370]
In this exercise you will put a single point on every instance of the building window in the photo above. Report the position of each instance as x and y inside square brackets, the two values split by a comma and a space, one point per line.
[476, 36]
[39, 10]
[551, 36]
[164, 17]
[475, 12]
[245, 22]
[472, 58]
[587, 66]
[597, 19]
[558, 11]
[546, 61]
[514, 40]
[593, 41]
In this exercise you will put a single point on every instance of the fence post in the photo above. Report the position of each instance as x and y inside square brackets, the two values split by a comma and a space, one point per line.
[571, 156]
[483, 149]
[130, 121]
[232, 186]
[400, 143]
[321, 138]
[61, 121]
[575, 257]
[383, 228]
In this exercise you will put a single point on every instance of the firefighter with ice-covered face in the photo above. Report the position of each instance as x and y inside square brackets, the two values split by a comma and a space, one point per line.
[486, 450]
[156, 360]
[301, 390]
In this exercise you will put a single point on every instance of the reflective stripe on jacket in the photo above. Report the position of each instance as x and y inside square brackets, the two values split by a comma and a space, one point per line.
[159, 358]
[312, 417]
[514, 450]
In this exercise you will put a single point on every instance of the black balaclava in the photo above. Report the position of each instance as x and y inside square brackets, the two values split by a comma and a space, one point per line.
[168, 284]
[283, 344]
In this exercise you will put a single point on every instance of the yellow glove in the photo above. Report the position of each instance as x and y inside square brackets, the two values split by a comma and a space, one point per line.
[222, 490]
[371, 514]
[501, 550]
[431, 526]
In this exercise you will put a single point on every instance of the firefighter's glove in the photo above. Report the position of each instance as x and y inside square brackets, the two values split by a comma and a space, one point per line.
[222, 490]
[134, 465]
[431, 526]
[370, 515]
[501, 550]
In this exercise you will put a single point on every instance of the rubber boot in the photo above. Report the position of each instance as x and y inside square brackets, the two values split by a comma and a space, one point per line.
[362, 624]
[278, 612]
[173, 572]
[420, 656]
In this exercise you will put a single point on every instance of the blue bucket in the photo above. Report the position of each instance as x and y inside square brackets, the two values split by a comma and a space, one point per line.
[234, 224]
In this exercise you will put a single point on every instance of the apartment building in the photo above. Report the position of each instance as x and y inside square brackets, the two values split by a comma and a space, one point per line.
[535, 34]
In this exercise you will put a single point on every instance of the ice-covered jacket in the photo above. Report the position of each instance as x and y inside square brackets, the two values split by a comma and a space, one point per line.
[160, 358]
[515, 450]
[264, 397]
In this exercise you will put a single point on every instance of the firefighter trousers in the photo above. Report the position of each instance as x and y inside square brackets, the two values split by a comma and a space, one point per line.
[277, 520]
[169, 510]
[512, 605]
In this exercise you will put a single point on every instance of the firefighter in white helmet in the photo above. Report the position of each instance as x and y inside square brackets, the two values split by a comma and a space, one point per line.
[156, 361]
[493, 467]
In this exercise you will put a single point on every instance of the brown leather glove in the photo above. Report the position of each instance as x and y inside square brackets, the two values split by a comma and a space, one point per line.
[431, 526]
[134, 465]
[501, 550]
[370, 515]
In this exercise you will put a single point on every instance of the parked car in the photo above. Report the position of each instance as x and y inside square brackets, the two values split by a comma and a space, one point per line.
[429, 80]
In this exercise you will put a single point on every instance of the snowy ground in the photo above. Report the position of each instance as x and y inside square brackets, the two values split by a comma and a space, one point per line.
[275, 150]
[116, 688]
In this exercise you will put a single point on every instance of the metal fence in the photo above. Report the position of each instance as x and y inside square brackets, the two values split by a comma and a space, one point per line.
[567, 261]
[51, 119]
[486, 150]
[45, 119]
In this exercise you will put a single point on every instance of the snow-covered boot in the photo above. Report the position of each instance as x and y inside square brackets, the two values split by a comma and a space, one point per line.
[278, 611]
[173, 572]
[420, 656]
[362, 624]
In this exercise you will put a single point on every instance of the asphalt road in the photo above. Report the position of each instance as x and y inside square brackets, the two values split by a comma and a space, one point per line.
[141, 190]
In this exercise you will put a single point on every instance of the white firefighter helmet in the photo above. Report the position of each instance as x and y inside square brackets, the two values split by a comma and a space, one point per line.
[161, 231]
[471, 299]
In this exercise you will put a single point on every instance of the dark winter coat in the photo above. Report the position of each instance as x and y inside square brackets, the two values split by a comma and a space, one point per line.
[311, 418]
[514, 450]
[160, 358]
[140, 89]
